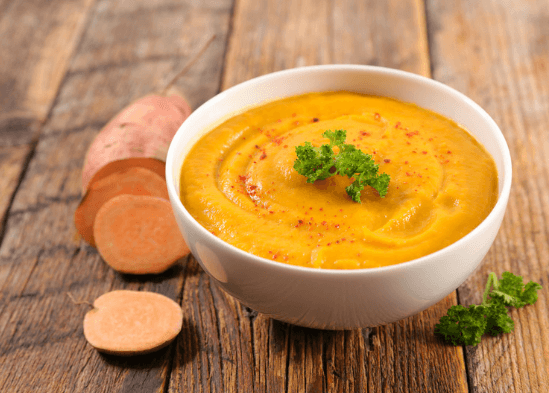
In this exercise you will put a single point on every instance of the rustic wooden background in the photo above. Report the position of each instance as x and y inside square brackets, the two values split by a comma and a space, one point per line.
[67, 67]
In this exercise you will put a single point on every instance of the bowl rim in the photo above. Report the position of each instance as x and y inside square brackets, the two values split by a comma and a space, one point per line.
[497, 211]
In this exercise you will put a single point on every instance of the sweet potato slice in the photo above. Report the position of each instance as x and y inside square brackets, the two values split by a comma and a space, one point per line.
[138, 234]
[133, 180]
[129, 322]
[152, 164]
[144, 129]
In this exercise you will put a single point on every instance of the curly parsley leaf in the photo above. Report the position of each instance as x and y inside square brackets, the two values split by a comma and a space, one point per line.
[314, 162]
[513, 292]
[319, 163]
[466, 325]
[462, 325]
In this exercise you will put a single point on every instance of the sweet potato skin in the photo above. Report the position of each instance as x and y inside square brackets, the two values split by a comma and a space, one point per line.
[126, 323]
[144, 129]
[138, 235]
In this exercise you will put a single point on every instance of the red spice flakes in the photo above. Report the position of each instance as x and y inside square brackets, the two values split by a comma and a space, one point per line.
[413, 151]
[296, 123]
[321, 209]
[315, 119]
[364, 133]
[257, 146]
[323, 222]
[285, 257]
[278, 140]
[386, 160]
[424, 152]
[430, 139]
[285, 146]
[337, 226]
[263, 155]
[279, 121]
[299, 223]
[337, 241]
[242, 178]
[294, 114]
[352, 241]
[397, 124]
[377, 116]
[244, 137]
[408, 143]
[271, 212]
[343, 239]
[449, 152]
[411, 134]
[408, 174]
[406, 162]
[329, 244]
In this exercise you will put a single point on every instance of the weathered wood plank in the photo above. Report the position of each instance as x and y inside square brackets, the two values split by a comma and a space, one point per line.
[497, 53]
[268, 36]
[42, 347]
[37, 40]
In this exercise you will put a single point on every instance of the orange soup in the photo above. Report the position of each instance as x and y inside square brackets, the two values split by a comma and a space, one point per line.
[239, 182]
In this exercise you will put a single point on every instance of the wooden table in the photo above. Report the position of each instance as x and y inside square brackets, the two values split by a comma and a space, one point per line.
[68, 66]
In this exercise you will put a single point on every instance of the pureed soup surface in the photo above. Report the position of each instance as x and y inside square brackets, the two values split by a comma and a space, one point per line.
[238, 182]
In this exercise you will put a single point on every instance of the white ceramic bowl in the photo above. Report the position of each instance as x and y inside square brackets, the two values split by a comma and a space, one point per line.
[340, 299]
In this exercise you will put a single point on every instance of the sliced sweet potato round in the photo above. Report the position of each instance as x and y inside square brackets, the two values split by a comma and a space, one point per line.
[152, 164]
[130, 323]
[133, 180]
[138, 234]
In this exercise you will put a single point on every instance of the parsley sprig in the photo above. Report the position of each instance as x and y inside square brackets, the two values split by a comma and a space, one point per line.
[466, 325]
[319, 163]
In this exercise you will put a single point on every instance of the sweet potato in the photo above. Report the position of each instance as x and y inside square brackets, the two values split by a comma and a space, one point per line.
[133, 180]
[138, 234]
[129, 322]
[152, 164]
[144, 129]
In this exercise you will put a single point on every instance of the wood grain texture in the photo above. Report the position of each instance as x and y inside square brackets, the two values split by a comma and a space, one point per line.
[497, 52]
[42, 347]
[37, 40]
[240, 350]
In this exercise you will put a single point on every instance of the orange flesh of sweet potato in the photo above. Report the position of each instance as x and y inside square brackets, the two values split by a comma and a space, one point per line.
[143, 129]
[134, 181]
[152, 164]
[129, 322]
[138, 234]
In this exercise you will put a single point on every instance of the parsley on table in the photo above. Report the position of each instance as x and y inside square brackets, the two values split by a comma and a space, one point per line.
[466, 325]
[319, 163]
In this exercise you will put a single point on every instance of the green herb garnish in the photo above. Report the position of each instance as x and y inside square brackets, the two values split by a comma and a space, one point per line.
[319, 163]
[466, 325]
